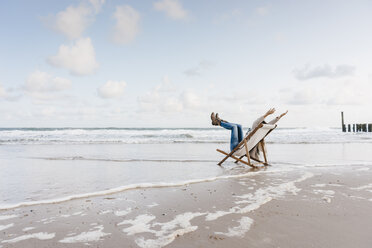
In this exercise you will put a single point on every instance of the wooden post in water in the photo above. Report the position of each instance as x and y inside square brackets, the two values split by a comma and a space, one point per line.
[342, 122]
[354, 128]
[349, 128]
[364, 127]
[369, 127]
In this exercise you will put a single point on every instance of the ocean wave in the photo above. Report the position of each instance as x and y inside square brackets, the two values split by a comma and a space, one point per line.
[51, 136]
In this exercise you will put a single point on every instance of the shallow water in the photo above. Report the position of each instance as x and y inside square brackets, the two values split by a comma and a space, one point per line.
[56, 171]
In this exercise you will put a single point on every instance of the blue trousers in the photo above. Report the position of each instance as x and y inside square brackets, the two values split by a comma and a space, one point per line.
[236, 133]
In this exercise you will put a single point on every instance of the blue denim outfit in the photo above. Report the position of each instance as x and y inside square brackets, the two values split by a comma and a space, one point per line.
[236, 133]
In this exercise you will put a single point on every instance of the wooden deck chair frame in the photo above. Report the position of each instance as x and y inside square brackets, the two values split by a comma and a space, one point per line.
[244, 143]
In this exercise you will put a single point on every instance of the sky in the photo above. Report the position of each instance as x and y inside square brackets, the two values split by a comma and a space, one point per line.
[170, 63]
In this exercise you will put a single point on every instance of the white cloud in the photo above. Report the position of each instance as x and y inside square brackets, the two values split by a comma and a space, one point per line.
[160, 99]
[305, 96]
[166, 98]
[97, 4]
[127, 24]
[330, 93]
[199, 69]
[325, 71]
[112, 89]
[8, 94]
[172, 8]
[263, 10]
[165, 86]
[190, 100]
[79, 58]
[73, 21]
[39, 81]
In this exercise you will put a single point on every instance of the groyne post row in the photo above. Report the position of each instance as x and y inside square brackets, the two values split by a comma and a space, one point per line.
[365, 127]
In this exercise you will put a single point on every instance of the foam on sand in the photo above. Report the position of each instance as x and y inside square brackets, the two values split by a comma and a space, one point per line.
[327, 194]
[216, 215]
[179, 226]
[138, 225]
[91, 236]
[123, 212]
[130, 187]
[368, 186]
[3, 227]
[28, 228]
[168, 230]
[261, 196]
[239, 231]
[40, 236]
[150, 233]
[154, 204]
[7, 217]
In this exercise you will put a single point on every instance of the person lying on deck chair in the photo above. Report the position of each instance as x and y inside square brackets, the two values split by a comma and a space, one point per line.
[237, 130]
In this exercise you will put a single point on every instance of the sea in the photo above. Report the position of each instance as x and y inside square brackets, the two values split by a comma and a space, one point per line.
[51, 165]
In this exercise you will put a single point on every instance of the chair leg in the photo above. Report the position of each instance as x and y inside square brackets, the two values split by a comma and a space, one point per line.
[236, 158]
[237, 161]
[247, 152]
[263, 150]
[223, 160]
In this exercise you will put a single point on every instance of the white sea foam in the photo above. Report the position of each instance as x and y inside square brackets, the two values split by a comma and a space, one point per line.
[90, 236]
[129, 187]
[319, 185]
[7, 217]
[40, 236]
[104, 212]
[260, 197]
[138, 225]
[216, 215]
[154, 204]
[123, 212]
[239, 231]
[368, 186]
[28, 228]
[164, 240]
[48, 220]
[327, 194]
[168, 230]
[158, 135]
[3, 227]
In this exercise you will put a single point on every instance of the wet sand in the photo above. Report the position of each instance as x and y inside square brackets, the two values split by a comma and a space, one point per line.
[311, 206]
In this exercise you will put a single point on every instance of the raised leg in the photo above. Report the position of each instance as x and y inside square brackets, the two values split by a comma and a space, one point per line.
[236, 133]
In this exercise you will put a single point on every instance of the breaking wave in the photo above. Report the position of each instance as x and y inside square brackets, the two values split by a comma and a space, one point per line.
[50, 136]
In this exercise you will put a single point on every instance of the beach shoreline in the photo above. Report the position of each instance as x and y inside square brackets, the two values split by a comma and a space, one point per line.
[308, 207]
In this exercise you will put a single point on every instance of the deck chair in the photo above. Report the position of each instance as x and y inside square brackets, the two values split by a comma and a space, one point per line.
[255, 137]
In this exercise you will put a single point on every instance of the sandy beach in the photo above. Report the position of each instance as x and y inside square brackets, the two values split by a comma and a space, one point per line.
[116, 118]
[323, 202]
